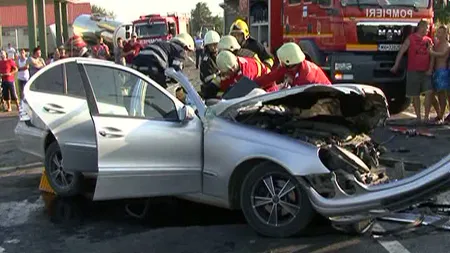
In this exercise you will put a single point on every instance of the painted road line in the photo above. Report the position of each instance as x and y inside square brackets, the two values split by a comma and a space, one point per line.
[391, 246]
[23, 166]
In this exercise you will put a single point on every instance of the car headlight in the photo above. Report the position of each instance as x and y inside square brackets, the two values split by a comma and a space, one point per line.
[342, 66]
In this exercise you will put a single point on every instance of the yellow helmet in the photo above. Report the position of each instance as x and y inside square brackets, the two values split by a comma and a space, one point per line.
[240, 26]
[211, 37]
[290, 54]
[226, 61]
[228, 42]
[186, 40]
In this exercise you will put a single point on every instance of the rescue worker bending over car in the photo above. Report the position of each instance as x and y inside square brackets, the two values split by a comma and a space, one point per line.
[209, 73]
[232, 68]
[160, 55]
[231, 44]
[239, 29]
[295, 70]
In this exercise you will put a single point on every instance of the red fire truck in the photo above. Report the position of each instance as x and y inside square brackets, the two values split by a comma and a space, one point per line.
[154, 27]
[353, 40]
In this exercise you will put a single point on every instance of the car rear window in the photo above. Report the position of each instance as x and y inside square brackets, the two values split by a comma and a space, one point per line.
[50, 81]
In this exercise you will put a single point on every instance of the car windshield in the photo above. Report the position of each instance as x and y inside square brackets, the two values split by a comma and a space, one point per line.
[151, 30]
[412, 3]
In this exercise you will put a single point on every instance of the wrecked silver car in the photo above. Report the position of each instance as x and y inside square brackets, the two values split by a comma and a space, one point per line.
[280, 157]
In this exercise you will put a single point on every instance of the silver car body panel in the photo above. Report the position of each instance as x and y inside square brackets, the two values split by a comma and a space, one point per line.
[68, 119]
[144, 157]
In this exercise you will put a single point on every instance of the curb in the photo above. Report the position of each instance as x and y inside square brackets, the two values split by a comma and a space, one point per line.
[23, 166]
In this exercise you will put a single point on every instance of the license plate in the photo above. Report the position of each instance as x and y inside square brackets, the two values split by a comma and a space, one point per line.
[389, 47]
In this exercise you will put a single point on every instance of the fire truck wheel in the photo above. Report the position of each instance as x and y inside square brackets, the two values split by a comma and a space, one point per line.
[274, 203]
[398, 105]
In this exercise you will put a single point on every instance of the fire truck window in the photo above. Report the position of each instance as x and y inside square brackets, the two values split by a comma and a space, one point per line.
[325, 2]
[295, 1]
[172, 29]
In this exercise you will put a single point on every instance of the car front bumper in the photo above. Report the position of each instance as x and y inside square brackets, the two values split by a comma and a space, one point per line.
[381, 199]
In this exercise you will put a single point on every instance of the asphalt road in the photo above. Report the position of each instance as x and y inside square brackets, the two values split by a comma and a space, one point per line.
[32, 222]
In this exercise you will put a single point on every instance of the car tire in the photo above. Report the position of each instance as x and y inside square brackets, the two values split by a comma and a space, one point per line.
[399, 105]
[63, 183]
[292, 219]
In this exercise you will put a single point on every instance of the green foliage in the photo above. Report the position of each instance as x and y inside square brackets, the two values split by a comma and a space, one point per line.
[441, 11]
[96, 9]
[202, 19]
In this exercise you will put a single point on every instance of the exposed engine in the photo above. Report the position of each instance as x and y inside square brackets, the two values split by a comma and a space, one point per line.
[348, 152]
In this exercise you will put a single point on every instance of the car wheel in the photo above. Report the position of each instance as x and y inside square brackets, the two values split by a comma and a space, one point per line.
[399, 105]
[274, 203]
[65, 184]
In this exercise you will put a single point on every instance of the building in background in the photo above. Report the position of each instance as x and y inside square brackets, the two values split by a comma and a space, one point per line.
[14, 23]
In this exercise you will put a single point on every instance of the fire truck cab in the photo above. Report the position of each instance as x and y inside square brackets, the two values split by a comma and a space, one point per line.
[154, 27]
[354, 41]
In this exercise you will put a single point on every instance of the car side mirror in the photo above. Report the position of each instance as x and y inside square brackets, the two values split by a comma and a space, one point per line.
[186, 113]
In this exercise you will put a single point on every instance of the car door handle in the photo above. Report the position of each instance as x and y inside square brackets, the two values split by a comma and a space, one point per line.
[54, 108]
[110, 132]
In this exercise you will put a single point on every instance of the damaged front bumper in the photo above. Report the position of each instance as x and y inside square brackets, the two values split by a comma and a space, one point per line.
[378, 200]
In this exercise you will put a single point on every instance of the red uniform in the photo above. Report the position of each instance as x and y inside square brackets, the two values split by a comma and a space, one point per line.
[418, 54]
[303, 74]
[128, 47]
[250, 68]
[7, 66]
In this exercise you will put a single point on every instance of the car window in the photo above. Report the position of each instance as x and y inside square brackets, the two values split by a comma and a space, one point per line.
[119, 92]
[50, 81]
[74, 81]
[295, 1]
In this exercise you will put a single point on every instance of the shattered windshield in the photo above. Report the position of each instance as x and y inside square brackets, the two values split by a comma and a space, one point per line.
[151, 30]
[382, 3]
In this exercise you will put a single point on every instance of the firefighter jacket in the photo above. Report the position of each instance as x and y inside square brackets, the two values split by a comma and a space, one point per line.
[250, 68]
[163, 54]
[209, 75]
[305, 73]
[255, 46]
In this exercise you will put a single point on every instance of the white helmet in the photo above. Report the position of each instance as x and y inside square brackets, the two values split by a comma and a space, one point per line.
[228, 42]
[211, 37]
[226, 61]
[290, 54]
[186, 40]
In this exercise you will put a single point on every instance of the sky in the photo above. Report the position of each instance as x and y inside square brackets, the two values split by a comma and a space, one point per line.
[128, 10]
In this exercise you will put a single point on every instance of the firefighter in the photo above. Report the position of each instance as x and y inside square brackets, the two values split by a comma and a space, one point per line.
[209, 73]
[295, 70]
[239, 29]
[77, 47]
[154, 59]
[232, 68]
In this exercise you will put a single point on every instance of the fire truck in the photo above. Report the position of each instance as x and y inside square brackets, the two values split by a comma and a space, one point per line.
[149, 28]
[154, 27]
[355, 41]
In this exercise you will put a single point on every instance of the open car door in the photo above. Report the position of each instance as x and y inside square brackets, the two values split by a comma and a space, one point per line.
[144, 147]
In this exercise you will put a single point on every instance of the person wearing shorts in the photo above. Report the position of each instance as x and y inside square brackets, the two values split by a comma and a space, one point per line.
[418, 76]
[7, 70]
[440, 55]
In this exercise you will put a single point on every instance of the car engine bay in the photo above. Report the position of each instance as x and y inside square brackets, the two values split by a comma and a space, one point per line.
[342, 136]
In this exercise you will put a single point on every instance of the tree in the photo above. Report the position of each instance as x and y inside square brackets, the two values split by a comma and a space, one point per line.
[201, 17]
[96, 9]
[442, 11]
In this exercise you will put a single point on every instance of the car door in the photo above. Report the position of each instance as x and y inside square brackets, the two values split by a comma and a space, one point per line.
[57, 98]
[143, 148]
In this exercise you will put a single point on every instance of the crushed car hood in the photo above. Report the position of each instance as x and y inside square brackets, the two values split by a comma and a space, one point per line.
[361, 106]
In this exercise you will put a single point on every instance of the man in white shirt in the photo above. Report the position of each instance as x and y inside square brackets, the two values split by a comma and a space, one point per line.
[11, 52]
[24, 73]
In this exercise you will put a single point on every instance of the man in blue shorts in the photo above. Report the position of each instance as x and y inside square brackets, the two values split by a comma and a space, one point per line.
[439, 57]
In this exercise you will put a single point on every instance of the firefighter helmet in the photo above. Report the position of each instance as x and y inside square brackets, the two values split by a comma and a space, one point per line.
[226, 61]
[240, 26]
[229, 43]
[290, 54]
[186, 40]
[211, 37]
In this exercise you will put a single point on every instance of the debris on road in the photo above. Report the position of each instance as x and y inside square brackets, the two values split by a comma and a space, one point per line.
[411, 132]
